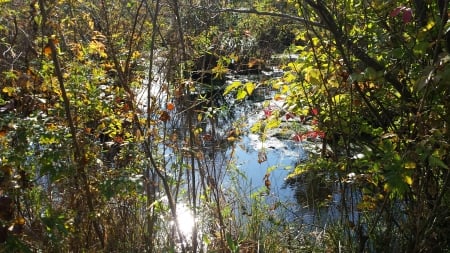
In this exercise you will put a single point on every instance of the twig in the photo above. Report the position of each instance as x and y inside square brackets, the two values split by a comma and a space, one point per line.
[264, 13]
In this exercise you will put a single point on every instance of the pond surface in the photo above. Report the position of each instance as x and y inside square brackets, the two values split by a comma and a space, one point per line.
[257, 161]
[281, 155]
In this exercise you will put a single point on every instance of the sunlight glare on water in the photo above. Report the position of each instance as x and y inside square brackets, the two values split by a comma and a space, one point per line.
[185, 219]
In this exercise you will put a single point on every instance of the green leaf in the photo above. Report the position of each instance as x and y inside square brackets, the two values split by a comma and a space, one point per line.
[435, 161]
[232, 245]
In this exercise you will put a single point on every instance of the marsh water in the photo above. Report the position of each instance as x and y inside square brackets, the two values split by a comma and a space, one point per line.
[246, 163]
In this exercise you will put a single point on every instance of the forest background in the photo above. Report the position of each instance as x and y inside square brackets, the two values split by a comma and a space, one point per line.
[100, 113]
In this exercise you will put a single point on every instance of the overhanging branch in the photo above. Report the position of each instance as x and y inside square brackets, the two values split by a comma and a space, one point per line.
[342, 39]
[265, 13]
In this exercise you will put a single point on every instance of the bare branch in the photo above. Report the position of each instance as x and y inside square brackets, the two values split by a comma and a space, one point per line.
[267, 13]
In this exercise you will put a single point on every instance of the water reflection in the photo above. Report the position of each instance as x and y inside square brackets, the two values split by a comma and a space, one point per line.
[199, 155]
[185, 219]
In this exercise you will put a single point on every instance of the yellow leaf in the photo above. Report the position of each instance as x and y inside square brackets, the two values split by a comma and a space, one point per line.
[289, 77]
[315, 41]
[232, 87]
[198, 131]
[340, 98]
[135, 55]
[410, 165]
[9, 90]
[249, 87]
[312, 76]
[277, 85]
[408, 180]
[231, 138]
[278, 97]
[241, 95]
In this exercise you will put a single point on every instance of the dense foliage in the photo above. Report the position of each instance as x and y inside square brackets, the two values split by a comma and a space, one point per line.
[108, 128]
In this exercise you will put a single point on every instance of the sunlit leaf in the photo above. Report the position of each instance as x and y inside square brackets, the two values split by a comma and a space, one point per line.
[273, 123]
[249, 87]
[408, 180]
[289, 77]
[278, 97]
[312, 76]
[277, 85]
[410, 165]
[256, 127]
[231, 138]
[9, 90]
[241, 94]
[232, 87]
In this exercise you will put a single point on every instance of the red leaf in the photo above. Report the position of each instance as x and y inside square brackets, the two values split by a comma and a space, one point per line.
[396, 11]
[321, 134]
[315, 111]
[312, 134]
[267, 112]
[298, 137]
[407, 15]
[289, 115]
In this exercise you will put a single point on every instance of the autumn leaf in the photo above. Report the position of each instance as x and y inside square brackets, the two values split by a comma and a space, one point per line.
[267, 112]
[249, 87]
[3, 133]
[47, 50]
[234, 85]
[170, 106]
[241, 95]
[407, 15]
[9, 90]
[395, 11]
[289, 115]
[297, 138]
[164, 117]
[278, 97]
